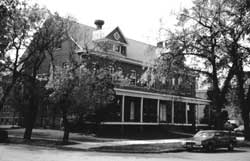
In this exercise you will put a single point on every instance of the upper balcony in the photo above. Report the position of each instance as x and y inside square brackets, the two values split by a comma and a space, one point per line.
[174, 86]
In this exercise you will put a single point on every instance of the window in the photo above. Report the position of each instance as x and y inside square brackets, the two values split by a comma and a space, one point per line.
[117, 48]
[133, 77]
[120, 49]
[119, 69]
[58, 46]
[123, 50]
[111, 69]
[132, 111]
[173, 81]
[163, 112]
[120, 72]
[65, 65]
[160, 44]
[95, 66]
[179, 80]
[42, 77]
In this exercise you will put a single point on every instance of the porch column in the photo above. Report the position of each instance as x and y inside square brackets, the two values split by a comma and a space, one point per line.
[197, 113]
[158, 111]
[172, 111]
[186, 112]
[141, 116]
[123, 103]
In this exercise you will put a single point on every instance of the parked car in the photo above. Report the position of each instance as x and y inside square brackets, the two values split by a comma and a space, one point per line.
[210, 140]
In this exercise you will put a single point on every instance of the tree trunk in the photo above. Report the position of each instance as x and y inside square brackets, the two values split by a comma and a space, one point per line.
[42, 119]
[29, 123]
[31, 111]
[66, 128]
[53, 122]
[218, 120]
[218, 101]
[243, 102]
[13, 119]
[245, 116]
[54, 118]
[28, 132]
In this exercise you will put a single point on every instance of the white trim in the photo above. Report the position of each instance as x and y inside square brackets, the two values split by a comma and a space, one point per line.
[129, 123]
[118, 28]
[123, 103]
[134, 93]
[113, 41]
[141, 111]
[158, 110]
[172, 112]
[148, 123]
[186, 112]
[72, 39]
[115, 56]
[180, 124]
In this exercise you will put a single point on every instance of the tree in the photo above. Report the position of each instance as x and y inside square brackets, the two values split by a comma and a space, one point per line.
[236, 36]
[211, 36]
[79, 93]
[18, 23]
[52, 33]
[5, 13]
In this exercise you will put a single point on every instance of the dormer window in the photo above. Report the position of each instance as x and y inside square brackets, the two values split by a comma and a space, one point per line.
[123, 50]
[120, 49]
[117, 48]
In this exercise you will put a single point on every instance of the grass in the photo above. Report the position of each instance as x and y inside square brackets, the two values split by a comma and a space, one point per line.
[58, 135]
[39, 142]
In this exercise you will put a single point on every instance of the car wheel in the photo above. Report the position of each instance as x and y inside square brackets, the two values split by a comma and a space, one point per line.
[210, 148]
[231, 147]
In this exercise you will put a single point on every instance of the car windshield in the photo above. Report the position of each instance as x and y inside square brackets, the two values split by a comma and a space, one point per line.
[204, 134]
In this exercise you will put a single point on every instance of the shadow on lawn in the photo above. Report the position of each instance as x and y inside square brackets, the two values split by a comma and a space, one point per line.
[144, 136]
[39, 142]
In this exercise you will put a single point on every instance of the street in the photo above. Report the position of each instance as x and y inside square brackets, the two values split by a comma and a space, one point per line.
[15, 152]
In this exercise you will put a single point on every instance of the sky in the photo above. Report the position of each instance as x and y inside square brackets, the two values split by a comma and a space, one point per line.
[138, 19]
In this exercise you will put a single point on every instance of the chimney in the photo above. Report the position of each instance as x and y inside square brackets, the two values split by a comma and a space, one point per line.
[99, 24]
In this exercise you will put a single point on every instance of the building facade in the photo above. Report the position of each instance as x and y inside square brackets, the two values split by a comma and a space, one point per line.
[140, 99]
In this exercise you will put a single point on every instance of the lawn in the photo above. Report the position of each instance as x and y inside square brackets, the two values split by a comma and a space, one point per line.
[57, 135]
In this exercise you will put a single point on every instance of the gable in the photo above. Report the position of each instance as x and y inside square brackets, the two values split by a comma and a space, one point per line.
[116, 35]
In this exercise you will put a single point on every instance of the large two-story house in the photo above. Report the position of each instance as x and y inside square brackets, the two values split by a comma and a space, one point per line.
[141, 100]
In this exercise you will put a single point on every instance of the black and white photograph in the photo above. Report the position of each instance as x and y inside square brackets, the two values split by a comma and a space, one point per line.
[124, 80]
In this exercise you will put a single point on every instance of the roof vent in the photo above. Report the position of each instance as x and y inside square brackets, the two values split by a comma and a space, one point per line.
[99, 24]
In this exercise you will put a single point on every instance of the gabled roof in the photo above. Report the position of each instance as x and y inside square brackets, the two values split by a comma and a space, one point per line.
[136, 50]
[117, 35]
[114, 34]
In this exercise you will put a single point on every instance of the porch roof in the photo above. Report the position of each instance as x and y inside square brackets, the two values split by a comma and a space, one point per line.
[134, 93]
